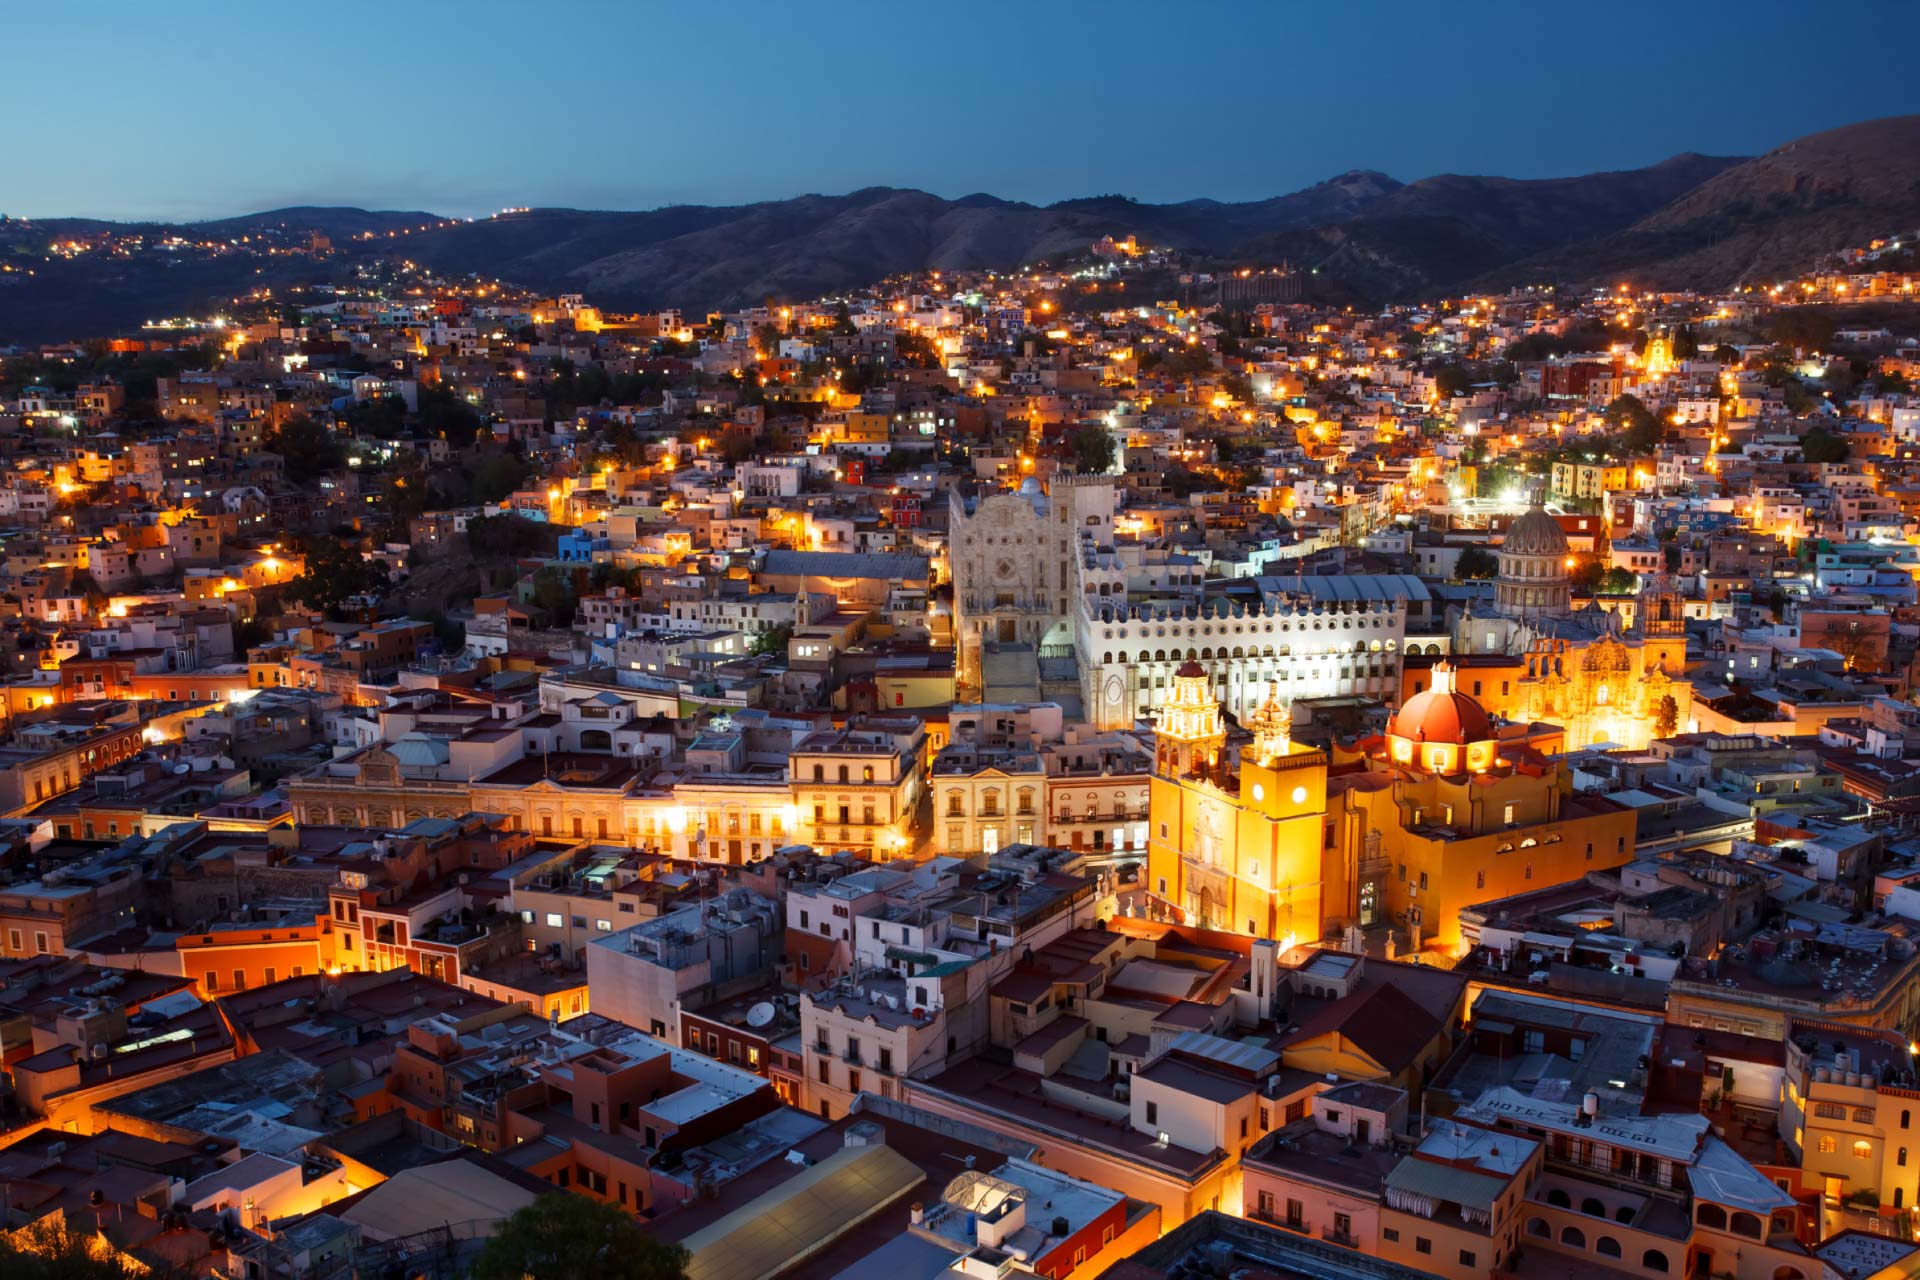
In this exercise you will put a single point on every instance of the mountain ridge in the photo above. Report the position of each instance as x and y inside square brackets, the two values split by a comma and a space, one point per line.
[1688, 220]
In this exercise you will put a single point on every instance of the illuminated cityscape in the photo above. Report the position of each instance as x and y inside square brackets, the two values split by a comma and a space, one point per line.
[1358, 734]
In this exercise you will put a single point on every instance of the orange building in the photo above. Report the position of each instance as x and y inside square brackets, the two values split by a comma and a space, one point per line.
[238, 956]
[1445, 810]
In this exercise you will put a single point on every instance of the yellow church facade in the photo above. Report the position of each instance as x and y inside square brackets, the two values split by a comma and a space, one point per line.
[1442, 812]
[1239, 847]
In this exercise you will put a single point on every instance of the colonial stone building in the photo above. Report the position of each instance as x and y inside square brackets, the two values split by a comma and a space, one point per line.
[1014, 558]
[1578, 668]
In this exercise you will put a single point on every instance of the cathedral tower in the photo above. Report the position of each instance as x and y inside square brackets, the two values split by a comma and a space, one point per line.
[1190, 733]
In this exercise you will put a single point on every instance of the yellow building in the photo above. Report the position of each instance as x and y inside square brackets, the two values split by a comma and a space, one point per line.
[1588, 479]
[1238, 845]
[1447, 811]
[1580, 668]
[857, 788]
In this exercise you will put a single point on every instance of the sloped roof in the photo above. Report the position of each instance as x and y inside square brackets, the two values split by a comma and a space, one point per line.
[1383, 1022]
[452, 1192]
[801, 1216]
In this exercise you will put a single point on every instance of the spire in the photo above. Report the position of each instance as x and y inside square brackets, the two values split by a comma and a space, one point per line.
[1272, 725]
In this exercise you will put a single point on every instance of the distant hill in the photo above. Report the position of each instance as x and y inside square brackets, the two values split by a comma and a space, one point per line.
[1442, 233]
[1765, 217]
[1692, 220]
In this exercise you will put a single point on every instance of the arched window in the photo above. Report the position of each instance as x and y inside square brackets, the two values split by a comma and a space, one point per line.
[1559, 1199]
[1712, 1216]
[1623, 1214]
[1862, 1149]
[1654, 1260]
[1593, 1208]
[1607, 1247]
[1573, 1237]
[1906, 1119]
[1747, 1224]
[596, 740]
[1539, 1227]
[1901, 1159]
[1789, 1273]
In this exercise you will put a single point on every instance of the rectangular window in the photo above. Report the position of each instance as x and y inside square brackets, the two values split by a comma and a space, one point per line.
[553, 920]
[1422, 1245]
[1153, 1113]
[1390, 1234]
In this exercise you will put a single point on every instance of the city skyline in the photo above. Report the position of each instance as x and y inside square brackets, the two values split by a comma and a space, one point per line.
[609, 111]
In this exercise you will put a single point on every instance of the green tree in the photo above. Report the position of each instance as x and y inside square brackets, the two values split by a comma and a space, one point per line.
[1618, 581]
[561, 1236]
[1821, 445]
[771, 641]
[1476, 562]
[554, 593]
[1093, 449]
[916, 351]
[1639, 429]
[1666, 717]
[336, 572]
[506, 535]
[1685, 345]
[1589, 572]
[308, 449]
[49, 1250]
[445, 416]
[497, 475]
[1452, 380]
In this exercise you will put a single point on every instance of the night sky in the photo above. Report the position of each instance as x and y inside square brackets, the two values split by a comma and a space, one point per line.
[204, 110]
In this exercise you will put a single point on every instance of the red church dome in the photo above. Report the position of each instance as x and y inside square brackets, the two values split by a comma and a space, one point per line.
[1442, 714]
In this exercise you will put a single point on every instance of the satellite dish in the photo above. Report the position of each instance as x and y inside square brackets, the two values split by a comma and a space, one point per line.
[760, 1015]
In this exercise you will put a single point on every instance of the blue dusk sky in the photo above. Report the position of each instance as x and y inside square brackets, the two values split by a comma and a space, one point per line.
[192, 110]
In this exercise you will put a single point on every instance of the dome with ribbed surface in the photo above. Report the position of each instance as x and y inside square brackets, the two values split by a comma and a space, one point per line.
[1535, 534]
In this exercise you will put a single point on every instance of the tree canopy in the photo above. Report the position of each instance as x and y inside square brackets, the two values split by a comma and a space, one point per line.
[1639, 429]
[1821, 445]
[50, 1250]
[561, 1236]
[307, 448]
[335, 573]
[1476, 562]
[1093, 449]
